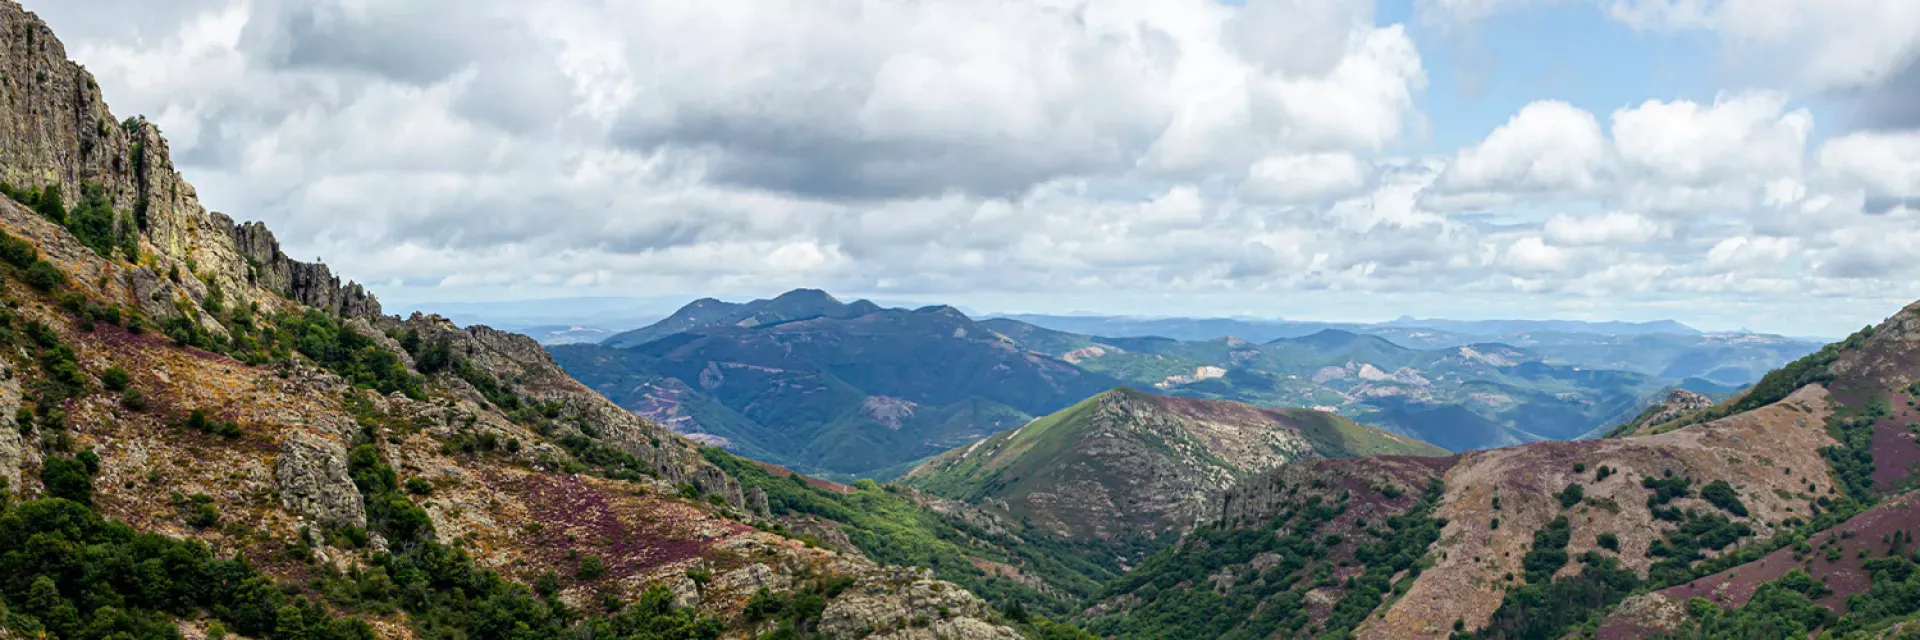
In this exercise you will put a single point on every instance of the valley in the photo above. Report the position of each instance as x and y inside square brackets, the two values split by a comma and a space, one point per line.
[211, 439]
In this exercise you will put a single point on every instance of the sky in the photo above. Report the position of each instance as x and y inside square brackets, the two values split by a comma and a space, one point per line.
[1732, 164]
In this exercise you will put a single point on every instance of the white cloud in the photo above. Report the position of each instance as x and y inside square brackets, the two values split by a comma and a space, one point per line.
[1743, 253]
[1612, 228]
[1833, 43]
[1531, 254]
[1884, 164]
[1549, 147]
[1743, 136]
[1305, 177]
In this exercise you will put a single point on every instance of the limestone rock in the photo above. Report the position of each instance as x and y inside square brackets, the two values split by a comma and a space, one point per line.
[909, 604]
[313, 480]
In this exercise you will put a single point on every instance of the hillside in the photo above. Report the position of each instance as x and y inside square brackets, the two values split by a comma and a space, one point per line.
[1786, 505]
[1125, 463]
[1470, 397]
[240, 442]
[843, 396]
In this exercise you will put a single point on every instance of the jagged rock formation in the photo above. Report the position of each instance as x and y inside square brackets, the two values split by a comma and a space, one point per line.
[254, 458]
[56, 130]
[312, 475]
[1125, 462]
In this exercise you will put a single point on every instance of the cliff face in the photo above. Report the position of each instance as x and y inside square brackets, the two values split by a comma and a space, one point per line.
[56, 130]
[260, 428]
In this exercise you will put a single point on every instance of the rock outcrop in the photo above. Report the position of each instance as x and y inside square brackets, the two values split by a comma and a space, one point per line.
[313, 480]
[908, 604]
[56, 130]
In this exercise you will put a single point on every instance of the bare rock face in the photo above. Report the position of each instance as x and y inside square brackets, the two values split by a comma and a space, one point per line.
[310, 284]
[12, 452]
[58, 131]
[909, 604]
[313, 480]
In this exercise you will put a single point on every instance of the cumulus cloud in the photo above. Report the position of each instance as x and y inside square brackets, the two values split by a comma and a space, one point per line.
[1749, 135]
[1883, 164]
[1612, 228]
[1549, 147]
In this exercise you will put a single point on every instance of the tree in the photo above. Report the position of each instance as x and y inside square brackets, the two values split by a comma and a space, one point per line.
[67, 478]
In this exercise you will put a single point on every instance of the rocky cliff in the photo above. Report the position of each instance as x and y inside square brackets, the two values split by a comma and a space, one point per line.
[191, 380]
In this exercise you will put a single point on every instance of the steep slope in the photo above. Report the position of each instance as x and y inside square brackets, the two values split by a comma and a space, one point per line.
[1765, 503]
[842, 396]
[298, 465]
[1126, 463]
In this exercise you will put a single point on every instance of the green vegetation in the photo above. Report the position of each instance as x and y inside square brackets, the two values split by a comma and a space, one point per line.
[893, 529]
[1782, 608]
[1549, 609]
[1549, 551]
[1175, 592]
[1607, 541]
[1852, 458]
[93, 221]
[1721, 495]
[1571, 495]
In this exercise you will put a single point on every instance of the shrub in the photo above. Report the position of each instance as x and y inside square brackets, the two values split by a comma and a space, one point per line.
[67, 478]
[115, 378]
[43, 276]
[17, 252]
[591, 568]
[1571, 495]
[1722, 495]
[419, 486]
[133, 399]
[1608, 541]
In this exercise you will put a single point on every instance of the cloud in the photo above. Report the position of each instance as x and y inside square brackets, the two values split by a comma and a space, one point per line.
[1057, 149]
[1748, 135]
[1305, 177]
[1884, 164]
[1612, 228]
[1549, 147]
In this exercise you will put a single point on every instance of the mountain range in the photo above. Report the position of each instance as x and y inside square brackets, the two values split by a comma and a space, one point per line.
[850, 389]
[1662, 348]
[211, 439]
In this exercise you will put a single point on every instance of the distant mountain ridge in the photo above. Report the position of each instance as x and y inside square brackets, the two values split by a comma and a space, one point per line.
[850, 389]
[1661, 348]
[798, 304]
[826, 387]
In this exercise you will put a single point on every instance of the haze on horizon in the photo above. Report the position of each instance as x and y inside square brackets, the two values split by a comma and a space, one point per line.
[1732, 164]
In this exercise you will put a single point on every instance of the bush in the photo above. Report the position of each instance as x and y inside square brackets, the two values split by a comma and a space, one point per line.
[1722, 495]
[17, 252]
[67, 478]
[115, 378]
[43, 276]
[591, 568]
[1608, 541]
[133, 399]
[1571, 495]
